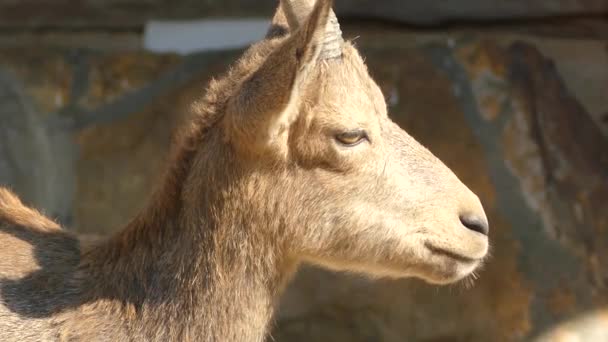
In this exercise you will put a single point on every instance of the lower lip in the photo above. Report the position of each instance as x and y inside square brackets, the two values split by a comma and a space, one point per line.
[452, 255]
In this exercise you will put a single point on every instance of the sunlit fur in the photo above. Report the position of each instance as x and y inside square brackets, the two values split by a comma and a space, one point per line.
[256, 186]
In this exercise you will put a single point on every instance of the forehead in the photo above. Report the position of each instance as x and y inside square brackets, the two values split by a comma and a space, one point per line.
[345, 88]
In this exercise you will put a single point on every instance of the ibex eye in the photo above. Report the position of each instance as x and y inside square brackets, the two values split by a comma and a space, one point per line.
[352, 138]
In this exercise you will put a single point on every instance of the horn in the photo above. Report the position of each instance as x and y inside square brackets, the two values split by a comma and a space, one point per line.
[297, 12]
[332, 42]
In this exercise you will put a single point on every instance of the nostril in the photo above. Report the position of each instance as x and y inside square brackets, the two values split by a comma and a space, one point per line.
[475, 223]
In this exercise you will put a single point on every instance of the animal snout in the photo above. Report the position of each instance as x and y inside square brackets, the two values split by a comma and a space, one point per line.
[471, 214]
[475, 222]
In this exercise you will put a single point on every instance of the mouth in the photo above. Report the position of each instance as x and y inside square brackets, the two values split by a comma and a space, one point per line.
[447, 267]
[452, 255]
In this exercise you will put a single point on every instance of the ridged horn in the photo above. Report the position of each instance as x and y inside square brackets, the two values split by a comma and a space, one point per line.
[297, 11]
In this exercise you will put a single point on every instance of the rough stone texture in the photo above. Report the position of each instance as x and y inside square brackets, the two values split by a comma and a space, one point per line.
[134, 13]
[35, 158]
[83, 134]
[565, 182]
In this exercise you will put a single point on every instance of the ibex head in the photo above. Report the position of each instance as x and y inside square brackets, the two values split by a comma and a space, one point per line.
[339, 183]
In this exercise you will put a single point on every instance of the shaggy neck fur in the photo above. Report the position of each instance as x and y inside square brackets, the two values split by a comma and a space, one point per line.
[198, 264]
[198, 269]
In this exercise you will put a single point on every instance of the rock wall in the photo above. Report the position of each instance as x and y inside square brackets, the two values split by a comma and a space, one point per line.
[133, 13]
[523, 121]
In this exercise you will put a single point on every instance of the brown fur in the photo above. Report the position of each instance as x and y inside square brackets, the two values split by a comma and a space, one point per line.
[14, 212]
[257, 185]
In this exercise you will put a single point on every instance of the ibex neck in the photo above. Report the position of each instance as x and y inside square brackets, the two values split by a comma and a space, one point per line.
[191, 277]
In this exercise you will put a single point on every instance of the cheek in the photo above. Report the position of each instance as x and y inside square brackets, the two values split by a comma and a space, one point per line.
[315, 151]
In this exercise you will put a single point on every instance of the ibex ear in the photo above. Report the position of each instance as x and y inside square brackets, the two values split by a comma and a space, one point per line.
[267, 102]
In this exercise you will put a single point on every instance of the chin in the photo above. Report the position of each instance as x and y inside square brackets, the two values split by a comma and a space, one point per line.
[451, 272]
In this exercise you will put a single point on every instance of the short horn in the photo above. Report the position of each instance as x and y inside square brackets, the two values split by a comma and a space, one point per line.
[297, 11]
[332, 42]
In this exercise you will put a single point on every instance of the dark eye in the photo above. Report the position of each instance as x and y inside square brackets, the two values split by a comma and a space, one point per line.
[352, 138]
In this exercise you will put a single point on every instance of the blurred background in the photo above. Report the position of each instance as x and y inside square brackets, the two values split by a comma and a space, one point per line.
[512, 95]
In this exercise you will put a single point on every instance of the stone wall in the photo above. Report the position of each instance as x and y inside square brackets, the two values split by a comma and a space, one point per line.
[133, 13]
[521, 119]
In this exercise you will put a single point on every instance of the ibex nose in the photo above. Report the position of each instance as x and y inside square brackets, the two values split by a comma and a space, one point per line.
[475, 223]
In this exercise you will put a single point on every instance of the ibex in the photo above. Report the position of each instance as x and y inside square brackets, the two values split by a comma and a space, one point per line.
[288, 159]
